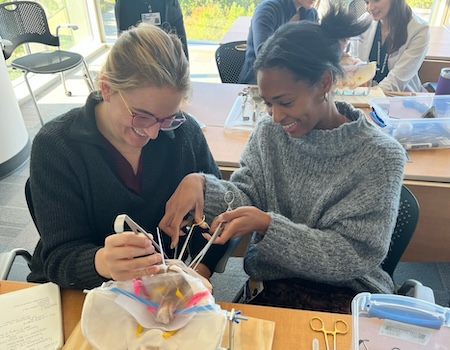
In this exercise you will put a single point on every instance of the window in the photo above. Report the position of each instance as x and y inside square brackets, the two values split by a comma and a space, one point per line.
[441, 13]
[422, 8]
[59, 11]
[208, 20]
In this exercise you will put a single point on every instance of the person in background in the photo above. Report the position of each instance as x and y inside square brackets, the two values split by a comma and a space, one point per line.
[268, 16]
[398, 41]
[318, 185]
[166, 14]
[123, 152]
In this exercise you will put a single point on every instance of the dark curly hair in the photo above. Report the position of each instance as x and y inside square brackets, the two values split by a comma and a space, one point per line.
[308, 49]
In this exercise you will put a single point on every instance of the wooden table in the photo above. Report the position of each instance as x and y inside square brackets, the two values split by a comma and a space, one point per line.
[292, 329]
[428, 175]
[72, 303]
[438, 55]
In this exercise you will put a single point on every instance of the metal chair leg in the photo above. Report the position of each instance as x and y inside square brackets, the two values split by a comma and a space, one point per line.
[63, 80]
[33, 97]
[88, 77]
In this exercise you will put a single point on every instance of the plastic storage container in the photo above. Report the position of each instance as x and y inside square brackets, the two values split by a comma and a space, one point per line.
[386, 321]
[247, 108]
[417, 122]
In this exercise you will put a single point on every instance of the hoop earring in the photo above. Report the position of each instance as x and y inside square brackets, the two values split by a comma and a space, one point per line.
[325, 97]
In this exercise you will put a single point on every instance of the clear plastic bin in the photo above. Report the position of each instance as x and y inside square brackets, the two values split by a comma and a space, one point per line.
[386, 321]
[417, 122]
[247, 108]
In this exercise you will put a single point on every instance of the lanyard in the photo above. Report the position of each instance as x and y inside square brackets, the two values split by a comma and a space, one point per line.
[383, 66]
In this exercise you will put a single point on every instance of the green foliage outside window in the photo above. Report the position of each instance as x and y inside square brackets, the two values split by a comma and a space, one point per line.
[420, 4]
[207, 19]
[210, 20]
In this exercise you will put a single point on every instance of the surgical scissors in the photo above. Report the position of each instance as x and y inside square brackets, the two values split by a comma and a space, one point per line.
[340, 327]
[229, 199]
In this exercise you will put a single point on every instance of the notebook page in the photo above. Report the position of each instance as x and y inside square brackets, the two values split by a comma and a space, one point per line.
[31, 318]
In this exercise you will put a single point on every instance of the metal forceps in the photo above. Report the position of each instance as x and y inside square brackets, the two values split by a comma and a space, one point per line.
[340, 327]
[229, 199]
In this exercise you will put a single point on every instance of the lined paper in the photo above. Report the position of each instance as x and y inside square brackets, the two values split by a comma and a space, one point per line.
[31, 318]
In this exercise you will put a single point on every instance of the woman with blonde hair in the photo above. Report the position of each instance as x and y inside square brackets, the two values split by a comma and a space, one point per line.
[123, 152]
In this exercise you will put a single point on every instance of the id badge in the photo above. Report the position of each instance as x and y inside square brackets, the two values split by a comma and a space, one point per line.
[151, 18]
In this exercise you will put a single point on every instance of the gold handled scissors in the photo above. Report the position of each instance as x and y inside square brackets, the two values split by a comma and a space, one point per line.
[340, 327]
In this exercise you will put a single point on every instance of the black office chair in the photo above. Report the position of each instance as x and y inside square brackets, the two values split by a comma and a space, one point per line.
[408, 215]
[232, 245]
[25, 22]
[169, 12]
[230, 58]
[358, 7]
[7, 259]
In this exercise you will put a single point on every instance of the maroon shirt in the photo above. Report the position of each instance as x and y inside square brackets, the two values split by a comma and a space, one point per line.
[125, 171]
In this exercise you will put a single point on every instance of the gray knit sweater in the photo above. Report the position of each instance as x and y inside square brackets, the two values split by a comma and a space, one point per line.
[333, 197]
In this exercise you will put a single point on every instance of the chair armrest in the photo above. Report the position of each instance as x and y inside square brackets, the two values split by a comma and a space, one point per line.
[3, 44]
[232, 244]
[66, 25]
[7, 260]
[419, 291]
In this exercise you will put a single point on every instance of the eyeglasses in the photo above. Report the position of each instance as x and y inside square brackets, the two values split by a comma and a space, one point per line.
[144, 120]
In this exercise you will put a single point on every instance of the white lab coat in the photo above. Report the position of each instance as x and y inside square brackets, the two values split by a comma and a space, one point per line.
[403, 64]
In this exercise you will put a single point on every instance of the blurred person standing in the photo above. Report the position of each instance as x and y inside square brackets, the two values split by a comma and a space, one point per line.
[166, 14]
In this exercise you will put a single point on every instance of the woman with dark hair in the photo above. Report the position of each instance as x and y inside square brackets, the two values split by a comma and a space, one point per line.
[318, 185]
[397, 40]
[269, 15]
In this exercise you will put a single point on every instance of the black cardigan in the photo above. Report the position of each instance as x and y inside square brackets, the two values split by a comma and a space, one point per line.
[77, 194]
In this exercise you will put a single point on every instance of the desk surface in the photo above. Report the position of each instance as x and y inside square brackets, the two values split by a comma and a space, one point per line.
[438, 48]
[292, 329]
[211, 103]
